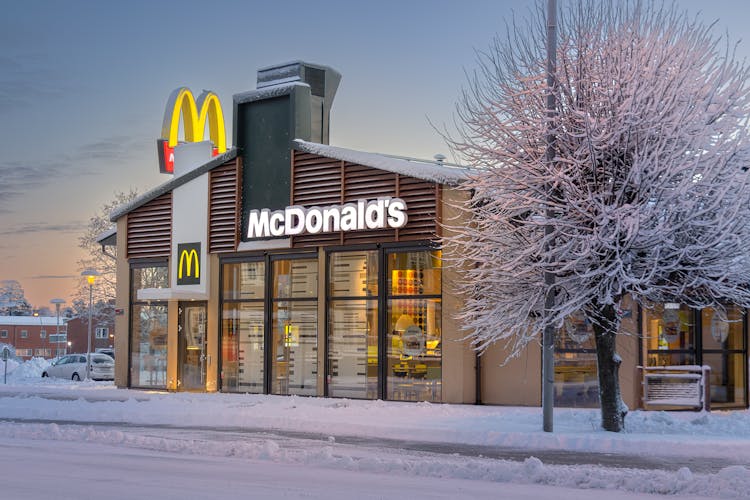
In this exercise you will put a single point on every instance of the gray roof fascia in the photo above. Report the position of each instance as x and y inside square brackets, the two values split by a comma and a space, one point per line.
[108, 237]
[168, 186]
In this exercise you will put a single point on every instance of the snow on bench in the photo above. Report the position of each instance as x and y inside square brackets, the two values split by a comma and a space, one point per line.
[683, 386]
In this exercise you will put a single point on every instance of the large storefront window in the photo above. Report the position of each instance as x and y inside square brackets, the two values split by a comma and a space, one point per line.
[243, 327]
[148, 329]
[576, 379]
[294, 327]
[413, 339]
[353, 325]
[383, 311]
[678, 335]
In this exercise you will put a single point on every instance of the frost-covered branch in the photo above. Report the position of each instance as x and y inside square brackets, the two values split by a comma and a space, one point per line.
[649, 188]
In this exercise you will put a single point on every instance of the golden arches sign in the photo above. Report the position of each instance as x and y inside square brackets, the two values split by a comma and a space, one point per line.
[189, 264]
[195, 114]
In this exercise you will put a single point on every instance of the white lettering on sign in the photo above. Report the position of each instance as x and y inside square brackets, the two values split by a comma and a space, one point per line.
[382, 213]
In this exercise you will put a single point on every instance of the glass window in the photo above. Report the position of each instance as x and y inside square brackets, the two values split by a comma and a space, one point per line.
[414, 273]
[294, 328]
[243, 327]
[149, 277]
[4, 334]
[576, 379]
[42, 334]
[723, 344]
[148, 329]
[295, 279]
[353, 325]
[24, 334]
[353, 274]
[722, 331]
[244, 281]
[670, 335]
[148, 345]
[413, 338]
[242, 347]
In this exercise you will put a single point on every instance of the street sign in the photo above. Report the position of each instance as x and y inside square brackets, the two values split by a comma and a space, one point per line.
[6, 355]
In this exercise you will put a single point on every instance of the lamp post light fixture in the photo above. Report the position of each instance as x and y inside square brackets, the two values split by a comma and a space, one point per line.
[41, 327]
[58, 303]
[90, 275]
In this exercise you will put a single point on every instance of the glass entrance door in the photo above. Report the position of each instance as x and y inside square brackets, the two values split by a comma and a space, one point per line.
[192, 339]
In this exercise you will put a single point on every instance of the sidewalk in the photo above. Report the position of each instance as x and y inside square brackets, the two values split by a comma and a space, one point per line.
[701, 441]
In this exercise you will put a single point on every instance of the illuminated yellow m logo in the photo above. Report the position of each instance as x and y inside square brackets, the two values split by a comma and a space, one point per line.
[194, 115]
[188, 266]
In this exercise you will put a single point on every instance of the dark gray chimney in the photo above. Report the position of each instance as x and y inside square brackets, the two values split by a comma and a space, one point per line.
[291, 101]
[323, 82]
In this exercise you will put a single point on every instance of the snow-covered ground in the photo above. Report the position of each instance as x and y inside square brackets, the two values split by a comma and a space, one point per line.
[349, 442]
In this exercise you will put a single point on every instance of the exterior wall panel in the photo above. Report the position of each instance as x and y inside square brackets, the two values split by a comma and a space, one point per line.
[224, 189]
[122, 302]
[321, 181]
[149, 229]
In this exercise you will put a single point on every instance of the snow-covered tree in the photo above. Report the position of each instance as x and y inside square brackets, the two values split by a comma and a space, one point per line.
[648, 193]
[104, 263]
[13, 299]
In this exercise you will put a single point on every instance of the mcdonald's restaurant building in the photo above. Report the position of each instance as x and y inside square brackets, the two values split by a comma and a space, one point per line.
[285, 265]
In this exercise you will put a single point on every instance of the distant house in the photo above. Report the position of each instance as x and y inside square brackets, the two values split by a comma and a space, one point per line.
[102, 334]
[34, 336]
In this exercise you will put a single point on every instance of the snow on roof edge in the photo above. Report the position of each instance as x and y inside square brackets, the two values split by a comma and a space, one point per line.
[421, 169]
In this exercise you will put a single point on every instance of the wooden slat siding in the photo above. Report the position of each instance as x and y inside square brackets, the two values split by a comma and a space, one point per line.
[422, 198]
[224, 186]
[150, 229]
[321, 181]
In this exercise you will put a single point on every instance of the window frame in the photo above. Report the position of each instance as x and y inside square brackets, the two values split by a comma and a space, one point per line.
[133, 301]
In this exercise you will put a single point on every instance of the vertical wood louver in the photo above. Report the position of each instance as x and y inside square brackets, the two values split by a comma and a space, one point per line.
[224, 186]
[318, 180]
[150, 229]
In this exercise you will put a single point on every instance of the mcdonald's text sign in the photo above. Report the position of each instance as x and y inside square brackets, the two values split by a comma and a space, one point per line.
[188, 263]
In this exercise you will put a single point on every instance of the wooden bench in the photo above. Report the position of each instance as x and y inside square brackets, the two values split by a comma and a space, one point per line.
[676, 387]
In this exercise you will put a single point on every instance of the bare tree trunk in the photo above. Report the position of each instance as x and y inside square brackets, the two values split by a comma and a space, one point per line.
[608, 361]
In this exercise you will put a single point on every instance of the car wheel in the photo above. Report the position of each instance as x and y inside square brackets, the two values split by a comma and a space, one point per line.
[44, 374]
[76, 377]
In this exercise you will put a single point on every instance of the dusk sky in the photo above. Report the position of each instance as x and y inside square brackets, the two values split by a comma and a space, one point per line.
[83, 87]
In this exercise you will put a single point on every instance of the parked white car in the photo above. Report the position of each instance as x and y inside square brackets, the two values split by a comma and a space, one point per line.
[73, 367]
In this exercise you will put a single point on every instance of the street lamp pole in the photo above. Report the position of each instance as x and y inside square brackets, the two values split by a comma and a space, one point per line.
[548, 339]
[90, 275]
[58, 303]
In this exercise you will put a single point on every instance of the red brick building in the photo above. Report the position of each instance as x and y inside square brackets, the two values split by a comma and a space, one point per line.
[34, 336]
[102, 334]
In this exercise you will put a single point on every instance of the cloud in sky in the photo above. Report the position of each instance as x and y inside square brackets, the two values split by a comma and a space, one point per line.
[41, 227]
[53, 277]
[21, 177]
[115, 149]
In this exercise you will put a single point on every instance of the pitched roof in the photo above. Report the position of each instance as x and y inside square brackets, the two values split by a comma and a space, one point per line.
[171, 184]
[433, 171]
